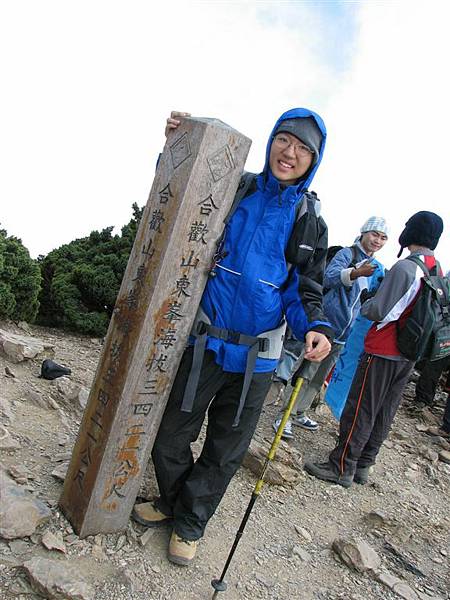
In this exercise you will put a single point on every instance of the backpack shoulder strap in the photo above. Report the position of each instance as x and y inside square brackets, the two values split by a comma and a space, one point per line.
[247, 186]
[311, 205]
[354, 255]
[421, 264]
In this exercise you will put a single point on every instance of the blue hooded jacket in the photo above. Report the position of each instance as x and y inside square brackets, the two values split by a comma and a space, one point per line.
[342, 302]
[254, 290]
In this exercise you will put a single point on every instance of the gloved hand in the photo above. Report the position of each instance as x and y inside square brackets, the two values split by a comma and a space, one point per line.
[366, 294]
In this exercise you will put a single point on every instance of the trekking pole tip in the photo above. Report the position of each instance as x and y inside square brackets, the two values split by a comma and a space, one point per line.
[219, 586]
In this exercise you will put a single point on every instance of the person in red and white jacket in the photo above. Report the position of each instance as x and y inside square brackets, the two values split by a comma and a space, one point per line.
[383, 371]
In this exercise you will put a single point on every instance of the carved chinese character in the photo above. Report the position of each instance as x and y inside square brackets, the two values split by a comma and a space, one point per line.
[173, 313]
[167, 337]
[132, 299]
[109, 375]
[115, 350]
[142, 409]
[189, 262]
[103, 397]
[140, 274]
[148, 249]
[165, 194]
[157, 362]
[156, 220]
[198, 232]
[149, 387]
[182, 285]
[85, 456]
[207, 205]
[79, 477]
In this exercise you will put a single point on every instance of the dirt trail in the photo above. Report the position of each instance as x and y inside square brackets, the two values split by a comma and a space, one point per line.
[285, 553]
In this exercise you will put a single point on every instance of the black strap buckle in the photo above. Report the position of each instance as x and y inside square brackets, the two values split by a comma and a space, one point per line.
[233, 337]
[264, 344]
[202, 328]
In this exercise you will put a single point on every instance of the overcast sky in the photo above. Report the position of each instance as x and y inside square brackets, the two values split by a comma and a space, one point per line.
[87, 85]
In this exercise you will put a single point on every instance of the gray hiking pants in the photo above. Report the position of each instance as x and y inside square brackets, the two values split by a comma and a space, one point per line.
[314, 379]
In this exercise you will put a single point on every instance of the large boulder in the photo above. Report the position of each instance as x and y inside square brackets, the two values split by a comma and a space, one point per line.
[18, 348]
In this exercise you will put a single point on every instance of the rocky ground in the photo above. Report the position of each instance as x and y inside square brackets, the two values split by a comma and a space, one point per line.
[306, 539]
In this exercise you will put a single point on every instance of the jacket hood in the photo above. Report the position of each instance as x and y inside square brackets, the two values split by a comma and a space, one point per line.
[298, 113]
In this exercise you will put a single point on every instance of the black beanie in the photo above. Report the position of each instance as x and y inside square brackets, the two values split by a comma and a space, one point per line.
[306, 130]
[423, 229]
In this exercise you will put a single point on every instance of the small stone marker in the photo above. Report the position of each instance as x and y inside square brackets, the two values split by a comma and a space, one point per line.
[193, 189]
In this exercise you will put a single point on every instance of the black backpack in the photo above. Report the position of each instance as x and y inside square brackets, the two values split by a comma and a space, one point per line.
[333, 250]
[331, 253]
[425, 334]
[307, 227]
[51, 370]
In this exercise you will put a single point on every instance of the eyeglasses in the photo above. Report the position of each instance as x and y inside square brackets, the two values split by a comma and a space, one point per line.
[283, 143]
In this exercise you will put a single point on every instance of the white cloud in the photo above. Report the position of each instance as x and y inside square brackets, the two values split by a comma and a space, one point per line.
[91, 83]
[388, 124]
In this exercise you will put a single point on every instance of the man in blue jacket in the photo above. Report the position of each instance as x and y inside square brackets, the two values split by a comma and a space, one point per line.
[348, 273]
[269, 270]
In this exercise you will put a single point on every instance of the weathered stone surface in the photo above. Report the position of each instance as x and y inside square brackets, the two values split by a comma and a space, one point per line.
[35, 398]
[9, 373]
[387, 579]
[357, 554]
[60, 471]
[430, 455]
[83, 397]
[67, 388]
[6, 412]
[57, 580]
[377, 518]
[303, 533]
[19, 473]
[444, 456]
[20, 512]
[18, 348]
[7, 442]
[303, 554]
[53, 541]
[405, 591]
[278, 472]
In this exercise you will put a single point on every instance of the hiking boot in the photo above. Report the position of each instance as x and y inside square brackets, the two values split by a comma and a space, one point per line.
[326, 472]
[149, 515]
[306, 423]
[361, 475]
[181, 551]
[287, 431]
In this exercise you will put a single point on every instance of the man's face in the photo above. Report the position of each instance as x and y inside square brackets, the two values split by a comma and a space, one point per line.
[372, 241]
[289, 158]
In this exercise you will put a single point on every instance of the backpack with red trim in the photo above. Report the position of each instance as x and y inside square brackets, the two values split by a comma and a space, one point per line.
[425, 334]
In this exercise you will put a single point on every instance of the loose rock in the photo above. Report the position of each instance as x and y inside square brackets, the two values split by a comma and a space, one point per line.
[20, 512]
[357, 554]
[57, 580]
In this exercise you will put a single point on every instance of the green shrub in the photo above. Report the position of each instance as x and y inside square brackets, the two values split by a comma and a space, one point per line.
[20, 280]
[81, 280]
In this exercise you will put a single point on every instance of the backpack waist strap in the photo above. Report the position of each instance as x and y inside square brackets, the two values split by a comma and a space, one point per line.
[265, 345]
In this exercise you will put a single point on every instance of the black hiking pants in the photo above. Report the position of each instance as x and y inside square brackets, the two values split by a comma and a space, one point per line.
[191, 490]
[371, 405]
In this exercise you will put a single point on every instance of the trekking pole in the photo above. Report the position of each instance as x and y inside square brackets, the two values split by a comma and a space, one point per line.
[220, 585]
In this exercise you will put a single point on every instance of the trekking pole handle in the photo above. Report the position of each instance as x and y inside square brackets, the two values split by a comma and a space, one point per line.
[302, 372]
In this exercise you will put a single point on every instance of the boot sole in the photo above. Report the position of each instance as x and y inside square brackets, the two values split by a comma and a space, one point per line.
[180, 560]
